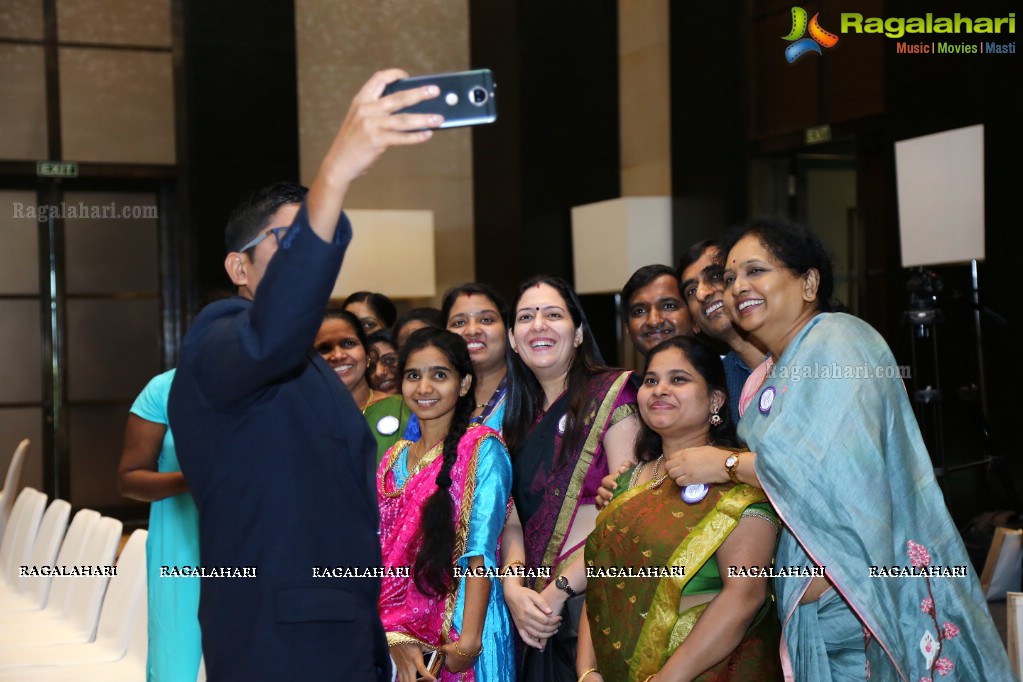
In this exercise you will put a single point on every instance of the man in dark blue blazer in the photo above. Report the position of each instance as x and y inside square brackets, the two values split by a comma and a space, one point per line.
[276, 453]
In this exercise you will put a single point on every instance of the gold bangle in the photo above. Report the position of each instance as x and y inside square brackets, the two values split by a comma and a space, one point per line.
[650, 677]
[506, 572]
[465, 655]
[587, 672]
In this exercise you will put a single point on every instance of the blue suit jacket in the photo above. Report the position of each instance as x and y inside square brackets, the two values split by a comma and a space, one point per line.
[281, 464]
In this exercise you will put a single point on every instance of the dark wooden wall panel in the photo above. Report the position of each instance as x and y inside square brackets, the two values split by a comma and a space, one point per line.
[555, 144]
[240, 122]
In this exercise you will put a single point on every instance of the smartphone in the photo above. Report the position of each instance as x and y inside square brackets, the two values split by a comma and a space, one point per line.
[466, 97]
[433, 659]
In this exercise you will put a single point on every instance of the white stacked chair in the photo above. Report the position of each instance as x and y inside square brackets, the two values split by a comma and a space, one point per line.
[125, 598]
[36, 596]
[20, 534]
[129, 668]
[76, 613]
[12, 483]
[44, 550]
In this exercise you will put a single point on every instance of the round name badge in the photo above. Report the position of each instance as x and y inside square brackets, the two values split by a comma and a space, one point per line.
[694, 493]
[561, 423]
[387, 425]
[767, 399]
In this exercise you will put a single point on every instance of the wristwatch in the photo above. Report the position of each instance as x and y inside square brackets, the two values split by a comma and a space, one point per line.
[731, 466]
[562, 584]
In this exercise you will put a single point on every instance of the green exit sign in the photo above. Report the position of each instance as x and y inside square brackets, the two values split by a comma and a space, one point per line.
[57, 169]
[818, 134]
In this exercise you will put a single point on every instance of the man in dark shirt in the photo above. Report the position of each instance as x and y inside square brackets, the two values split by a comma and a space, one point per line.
[278, 457]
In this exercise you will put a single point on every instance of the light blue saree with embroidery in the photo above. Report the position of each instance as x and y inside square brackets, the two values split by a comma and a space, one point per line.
[841, 458]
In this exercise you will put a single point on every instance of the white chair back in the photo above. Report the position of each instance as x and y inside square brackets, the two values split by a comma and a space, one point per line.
[138, 645]
[20, 533]
[44, 550]
[70, 554]
[125, 592]
[86, 594]
[12, 483]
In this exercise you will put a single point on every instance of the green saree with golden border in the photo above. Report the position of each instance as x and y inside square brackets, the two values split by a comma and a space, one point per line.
[635, 623]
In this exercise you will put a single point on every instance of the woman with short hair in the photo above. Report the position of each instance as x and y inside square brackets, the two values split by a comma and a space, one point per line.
[834, 443]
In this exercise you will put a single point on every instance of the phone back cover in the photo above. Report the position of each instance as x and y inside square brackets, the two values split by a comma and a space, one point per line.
[454, 101]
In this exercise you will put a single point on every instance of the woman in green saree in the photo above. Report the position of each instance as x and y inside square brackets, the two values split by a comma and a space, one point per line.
[698, 614]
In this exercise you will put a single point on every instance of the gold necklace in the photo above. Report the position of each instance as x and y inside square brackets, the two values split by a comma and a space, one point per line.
[424, 461]
[658, 481]
[638, 472]
[370, 400]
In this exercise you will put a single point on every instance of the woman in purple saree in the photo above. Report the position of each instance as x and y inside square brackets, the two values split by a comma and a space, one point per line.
[568, 417]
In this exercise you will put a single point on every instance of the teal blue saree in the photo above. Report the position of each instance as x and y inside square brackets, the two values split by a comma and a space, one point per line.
[841, 458]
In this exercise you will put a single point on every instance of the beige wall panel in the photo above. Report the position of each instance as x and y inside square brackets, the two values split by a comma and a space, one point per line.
[23, 104]
[20, 344]
[644, 97]
[21, 19]
[340, 44]
[19, 257]
[117, 106]
[112, 253]
[644, 179]
[642, 24]
[453, 242]
[646, 124]
[114, 21]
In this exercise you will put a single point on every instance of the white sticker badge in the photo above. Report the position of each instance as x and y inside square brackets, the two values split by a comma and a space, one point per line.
[387, 425]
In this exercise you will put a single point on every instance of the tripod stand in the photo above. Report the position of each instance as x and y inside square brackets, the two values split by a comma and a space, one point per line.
[923, 318]
[927, 401]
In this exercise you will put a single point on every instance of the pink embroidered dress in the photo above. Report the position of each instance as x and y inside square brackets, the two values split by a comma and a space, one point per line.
[480, 488]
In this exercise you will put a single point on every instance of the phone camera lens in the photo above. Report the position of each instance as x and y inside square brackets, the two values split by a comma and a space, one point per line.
[479, 96]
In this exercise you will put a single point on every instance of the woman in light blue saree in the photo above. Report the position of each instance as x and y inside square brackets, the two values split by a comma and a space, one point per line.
[835, 445]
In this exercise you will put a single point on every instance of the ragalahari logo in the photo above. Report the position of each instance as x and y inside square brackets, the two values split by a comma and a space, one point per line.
[818, 36]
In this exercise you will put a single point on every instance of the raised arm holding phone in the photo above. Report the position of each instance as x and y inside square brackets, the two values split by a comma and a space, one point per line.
[276, 454]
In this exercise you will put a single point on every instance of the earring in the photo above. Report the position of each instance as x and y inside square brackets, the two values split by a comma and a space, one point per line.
[715, 418]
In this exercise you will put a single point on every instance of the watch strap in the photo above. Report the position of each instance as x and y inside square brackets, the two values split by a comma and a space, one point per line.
[562, 584]
[732, 469]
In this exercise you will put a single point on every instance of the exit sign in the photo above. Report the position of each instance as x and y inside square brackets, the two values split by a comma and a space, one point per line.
[57, 169]
[818, 134]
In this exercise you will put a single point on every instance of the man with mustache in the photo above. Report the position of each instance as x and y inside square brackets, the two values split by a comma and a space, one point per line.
[701, 285]
[653, 307]
[703, 289]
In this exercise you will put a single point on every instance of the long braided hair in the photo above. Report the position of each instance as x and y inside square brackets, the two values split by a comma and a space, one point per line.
[433, 571]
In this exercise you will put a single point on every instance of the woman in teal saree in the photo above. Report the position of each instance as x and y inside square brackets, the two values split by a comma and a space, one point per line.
[835, 446]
